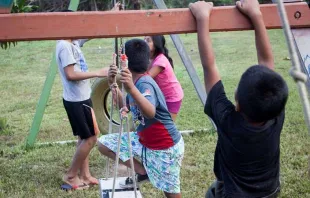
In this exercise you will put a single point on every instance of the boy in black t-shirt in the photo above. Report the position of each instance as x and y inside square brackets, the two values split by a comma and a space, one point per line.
[246, 162]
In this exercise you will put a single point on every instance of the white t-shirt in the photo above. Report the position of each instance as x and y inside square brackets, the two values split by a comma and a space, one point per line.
[67, 54]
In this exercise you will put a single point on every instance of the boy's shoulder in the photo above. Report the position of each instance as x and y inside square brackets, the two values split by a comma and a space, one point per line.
[62, 44]
[145, 79]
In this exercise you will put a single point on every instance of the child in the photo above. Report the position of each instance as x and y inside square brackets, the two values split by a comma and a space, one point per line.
[76, 99]
[161, 69]
[247, 155]
[157, 141]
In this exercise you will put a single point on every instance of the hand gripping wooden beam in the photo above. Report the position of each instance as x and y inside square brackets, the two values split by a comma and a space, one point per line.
[59, 25]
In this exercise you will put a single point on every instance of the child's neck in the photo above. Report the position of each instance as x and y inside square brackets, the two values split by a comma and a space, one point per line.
[69, 40]
[136, 76]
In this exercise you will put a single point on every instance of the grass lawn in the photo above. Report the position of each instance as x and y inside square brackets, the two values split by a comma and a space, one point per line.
[38, 172]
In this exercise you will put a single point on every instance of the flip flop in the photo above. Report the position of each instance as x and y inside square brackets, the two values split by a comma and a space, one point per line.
[68, 187]
[92, 183]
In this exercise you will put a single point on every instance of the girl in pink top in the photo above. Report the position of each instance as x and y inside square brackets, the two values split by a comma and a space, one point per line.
[161, 69]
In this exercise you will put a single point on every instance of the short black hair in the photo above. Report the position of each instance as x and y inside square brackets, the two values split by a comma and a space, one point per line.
[138, 54]
[262, 94]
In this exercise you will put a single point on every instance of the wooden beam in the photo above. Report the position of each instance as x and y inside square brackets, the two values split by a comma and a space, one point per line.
[53, 26]
[5, 10]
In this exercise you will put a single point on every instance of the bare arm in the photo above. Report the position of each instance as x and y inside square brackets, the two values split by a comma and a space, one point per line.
[146, 107]
[263, 46]
[154, 71]
[120, 97]
[75, 76]
[264, 52]
[201, 10]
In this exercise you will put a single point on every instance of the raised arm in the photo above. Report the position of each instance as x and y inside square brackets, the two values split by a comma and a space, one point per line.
[146, 107]
[251, 9]
[201, 11]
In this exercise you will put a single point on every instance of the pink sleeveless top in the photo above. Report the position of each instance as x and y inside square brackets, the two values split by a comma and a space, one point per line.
[167, 80]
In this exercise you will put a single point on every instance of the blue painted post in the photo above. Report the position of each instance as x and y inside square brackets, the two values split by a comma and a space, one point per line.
[5, 6]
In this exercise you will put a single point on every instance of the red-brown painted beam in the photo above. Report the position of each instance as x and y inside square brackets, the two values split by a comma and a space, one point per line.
[5, 10]
[52, 26]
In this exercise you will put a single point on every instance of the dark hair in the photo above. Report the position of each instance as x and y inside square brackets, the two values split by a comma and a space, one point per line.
[159, 42]
[262, 94]
[138, 53]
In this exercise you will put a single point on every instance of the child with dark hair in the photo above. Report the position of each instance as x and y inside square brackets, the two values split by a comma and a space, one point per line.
[247, 155]
[157, 142]
[161, 69]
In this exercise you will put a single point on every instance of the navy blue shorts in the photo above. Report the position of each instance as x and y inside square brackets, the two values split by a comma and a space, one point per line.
[80, 117]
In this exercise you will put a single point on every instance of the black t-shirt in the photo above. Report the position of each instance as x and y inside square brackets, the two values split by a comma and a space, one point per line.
[246, 156]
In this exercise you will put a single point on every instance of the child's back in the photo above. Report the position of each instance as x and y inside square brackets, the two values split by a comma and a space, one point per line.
[247, 154]
[159, 132]
[161, 69]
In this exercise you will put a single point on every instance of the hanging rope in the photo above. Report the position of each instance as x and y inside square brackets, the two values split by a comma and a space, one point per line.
[295, 71]
[123, 63]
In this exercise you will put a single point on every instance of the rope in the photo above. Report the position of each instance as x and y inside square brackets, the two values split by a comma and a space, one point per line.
[124, 64]
[123, 116]
[112, 87]
[295, 72]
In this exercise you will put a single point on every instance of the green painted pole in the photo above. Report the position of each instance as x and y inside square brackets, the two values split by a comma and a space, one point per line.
[35, 127]
[74, 4]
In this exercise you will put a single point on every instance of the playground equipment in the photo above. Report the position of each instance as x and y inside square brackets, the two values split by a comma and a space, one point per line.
[49, 26]
[85, 25]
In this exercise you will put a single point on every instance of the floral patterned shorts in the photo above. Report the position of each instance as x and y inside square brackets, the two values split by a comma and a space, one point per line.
[162, 166]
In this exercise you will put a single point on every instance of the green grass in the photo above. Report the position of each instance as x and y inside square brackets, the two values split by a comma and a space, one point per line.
[38, 172]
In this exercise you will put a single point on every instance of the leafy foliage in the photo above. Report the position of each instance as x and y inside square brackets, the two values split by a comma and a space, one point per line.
[20, 6]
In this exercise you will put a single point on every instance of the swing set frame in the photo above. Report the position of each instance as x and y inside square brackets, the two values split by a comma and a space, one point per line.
[53, 26]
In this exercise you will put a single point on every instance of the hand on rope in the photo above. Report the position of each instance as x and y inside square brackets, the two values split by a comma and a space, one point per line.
[126, 76]
[113, 70]
[124, 112]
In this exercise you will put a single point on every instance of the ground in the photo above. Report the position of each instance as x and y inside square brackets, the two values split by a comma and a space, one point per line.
[37, 172]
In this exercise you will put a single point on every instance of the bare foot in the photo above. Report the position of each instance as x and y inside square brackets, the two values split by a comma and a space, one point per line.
[89, 180]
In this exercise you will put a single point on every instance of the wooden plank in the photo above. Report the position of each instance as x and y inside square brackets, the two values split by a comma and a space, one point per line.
[53, 26]
[5, 10]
